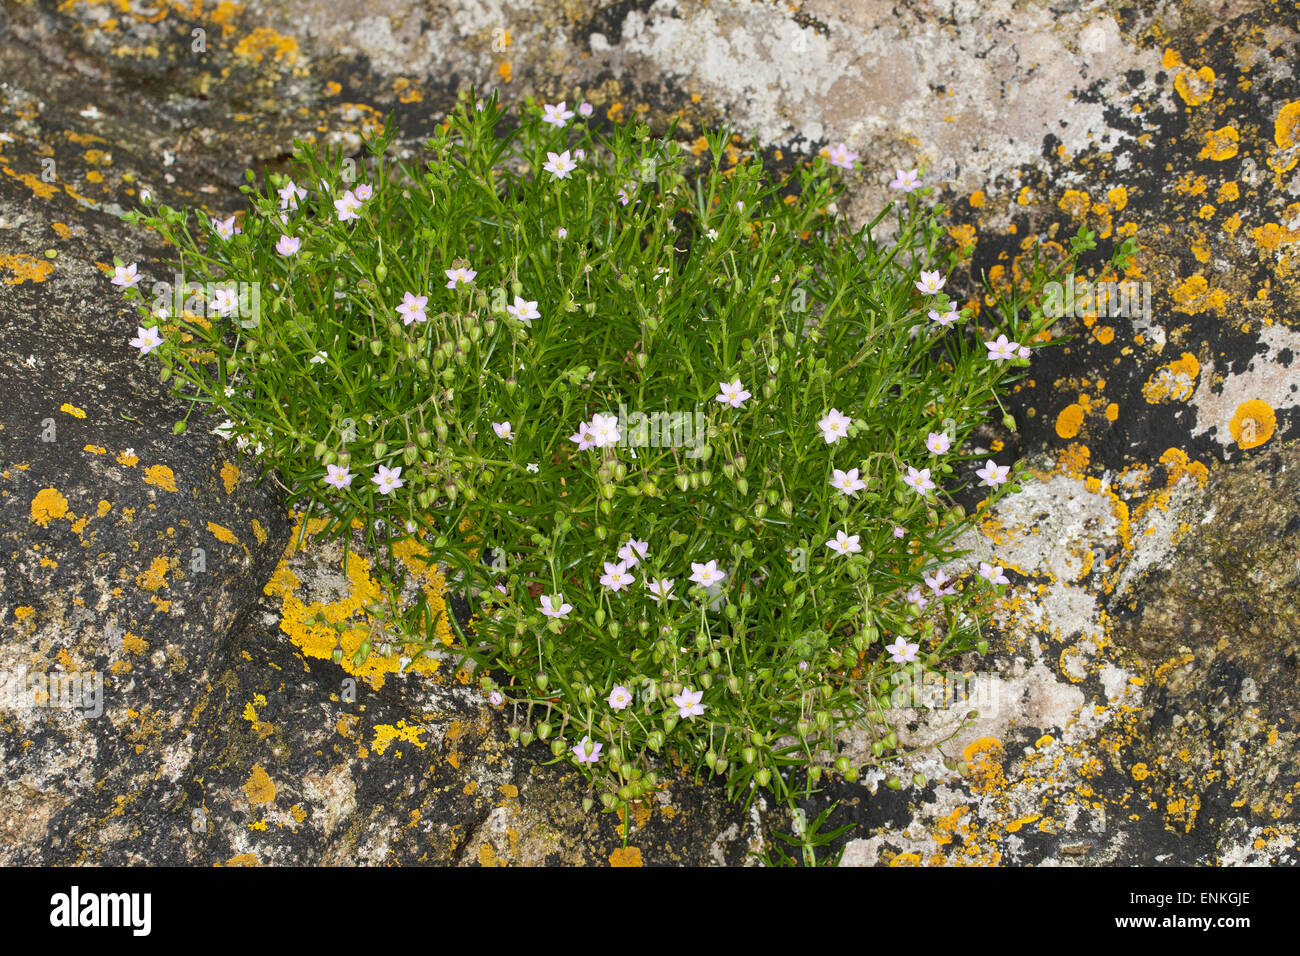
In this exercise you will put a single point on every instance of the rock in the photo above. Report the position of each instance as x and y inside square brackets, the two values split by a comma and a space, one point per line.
[1140, 693]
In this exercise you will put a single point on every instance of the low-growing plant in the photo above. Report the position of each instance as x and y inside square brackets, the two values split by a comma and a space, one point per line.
[685, 438]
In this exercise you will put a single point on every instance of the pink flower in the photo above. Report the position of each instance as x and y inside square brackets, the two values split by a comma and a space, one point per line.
[125, 276]
[503, 431]
[459, 275]
[616, 577]
[916, 597]
[937, 442]
[585, 109]
[523, 310]
[583, 437]
[920, 480]
[930, 282]
[586, 751]
[900, 531]
[840, 156]
[688, 703]
[554, 606]
[1001, 350]
[993, 573]
[945, 318]
[388, 479]
[339, 476]
[412, 308]
[559, 165]
[906, 180]
[620, 697]
[347, 206]
[290, 194]
[288, 245]
[625, 193]
[633, 552]
[844, 543]
[847, 482]
[146, 340]
[1024, 351]
[557, 116]
[936, 582]
[495, 698]
[225, 228]
[604, 430]
[993, 473]
[561, 233]
[834, 426]
[661, 589]
[901, 652]
[733, 394]
[707, 574]
[364, 192]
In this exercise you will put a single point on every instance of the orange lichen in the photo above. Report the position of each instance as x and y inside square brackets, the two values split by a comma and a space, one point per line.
[1220, 144]
[1193, 295]
[1069, 420]
[1173, 381]
[1195, 87]
[161, 476]
[259, 788]
[48, 505]
[1252, 424]
[629, 856]
[1286, 129]
[25, 268]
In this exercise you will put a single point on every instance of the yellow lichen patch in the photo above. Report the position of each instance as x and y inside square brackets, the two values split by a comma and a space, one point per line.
[229, 476]
[488, 856]
[1074, 460]
[155, 576]
[95, 449]
[24, 611]
[964, 236]
[1117, 197]
[1140, 771]
[385, 734]
[242, 859]
[1286, 129]
[1252, 424]
[1015, 825]
[161, 476]
[984, 757]
[1193, 295]
[103, 508]
[1228, 192]
[42, 189]
[1177, 463]
[25, 268]
[1195, 87]
[259, 788]
[1173, 381]
[259, 532]
[1069, 421]
[1075, 203]
[48, 505]
[263, 41]
[128, 458]
[72, 410]
[1220, 144]
[977, 199]
[626, 856]
[134, 644]
[1271, 236]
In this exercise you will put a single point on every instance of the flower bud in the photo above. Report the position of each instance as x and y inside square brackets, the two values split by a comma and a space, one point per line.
[526, 737]
[557, 747]
[763, 777]
[541, 680]
[893, 783]
[587, 804]
[749, 754]
[543, 730]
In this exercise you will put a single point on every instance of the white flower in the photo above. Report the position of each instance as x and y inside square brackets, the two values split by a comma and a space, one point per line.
[146, 340]
[844, 543]
[834, 426]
